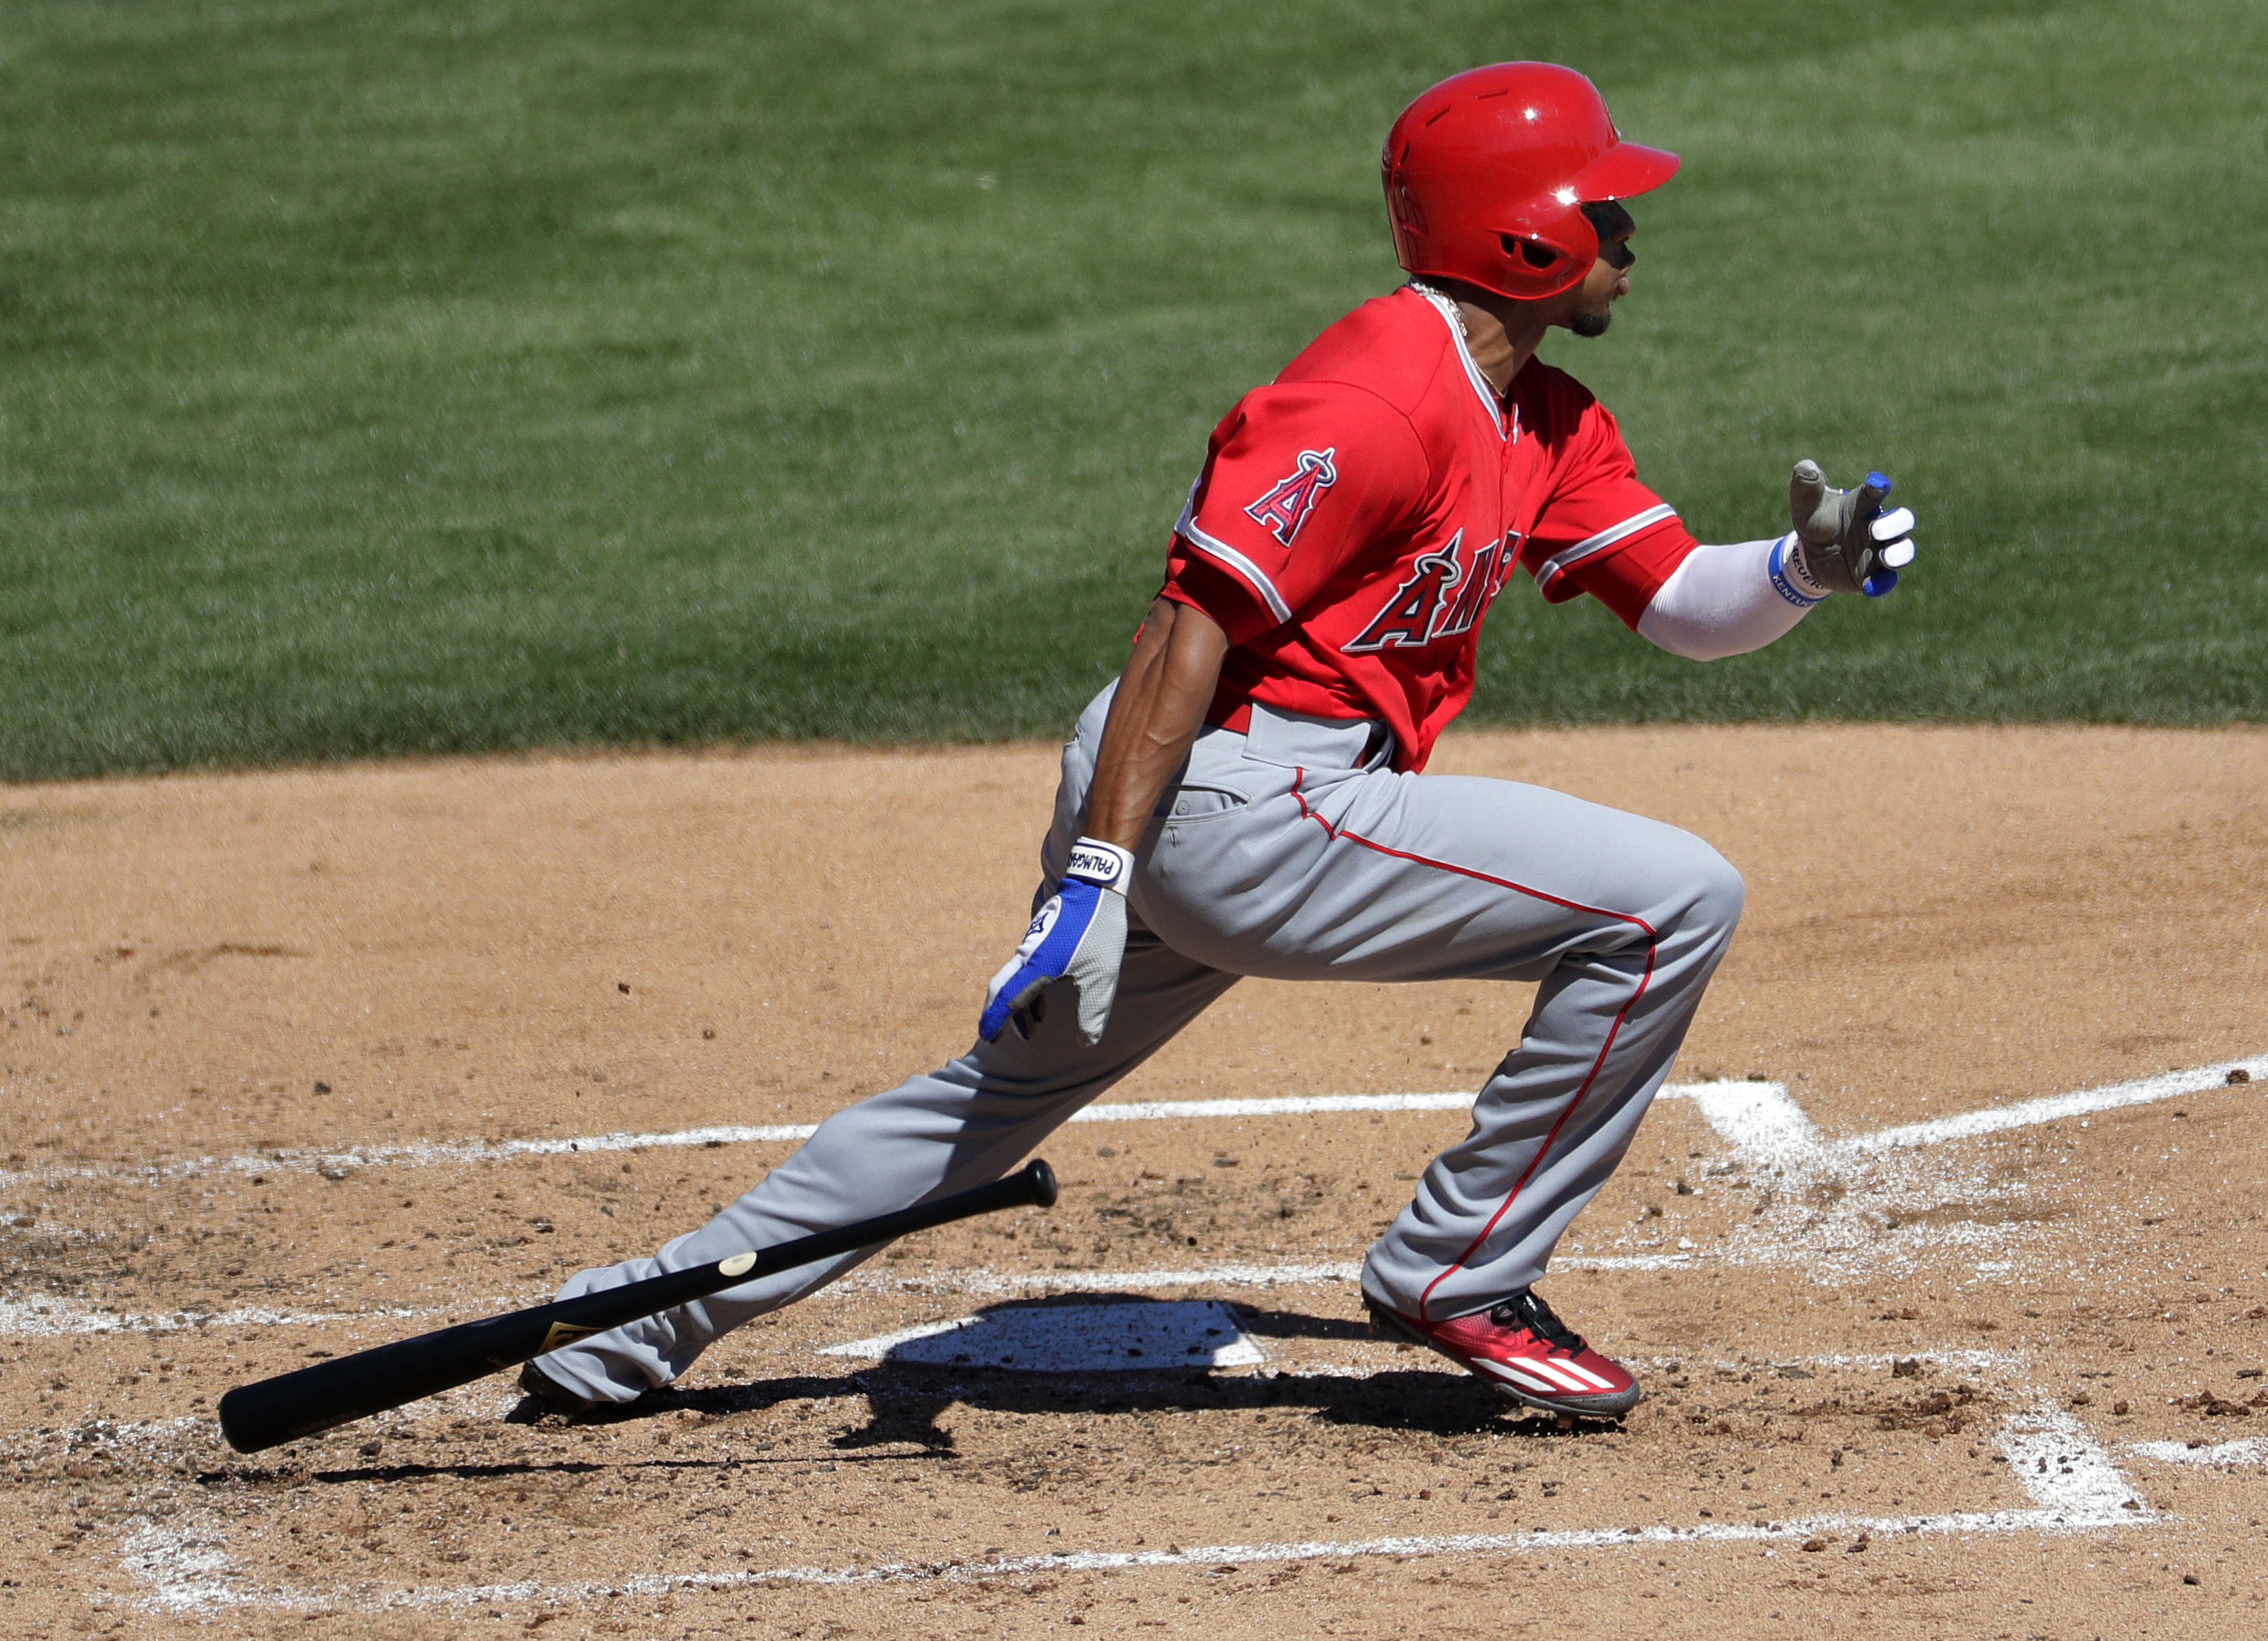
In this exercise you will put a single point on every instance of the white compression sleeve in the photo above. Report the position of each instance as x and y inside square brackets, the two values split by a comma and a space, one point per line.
[1728, 600]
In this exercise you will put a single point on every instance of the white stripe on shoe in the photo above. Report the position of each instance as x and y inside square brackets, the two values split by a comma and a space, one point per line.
[1559, 1371]
[1527, 1381]
[1581, 1371]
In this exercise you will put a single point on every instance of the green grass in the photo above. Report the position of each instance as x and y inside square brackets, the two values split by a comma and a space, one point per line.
[379, 376]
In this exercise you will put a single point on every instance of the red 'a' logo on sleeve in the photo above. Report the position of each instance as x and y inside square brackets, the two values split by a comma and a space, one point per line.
[1286, 507]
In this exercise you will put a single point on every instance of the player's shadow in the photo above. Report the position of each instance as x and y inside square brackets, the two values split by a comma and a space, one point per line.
[906, 1396]
[905, 1402]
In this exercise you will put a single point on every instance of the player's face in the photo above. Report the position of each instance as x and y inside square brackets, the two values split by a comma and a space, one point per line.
[1609, 275]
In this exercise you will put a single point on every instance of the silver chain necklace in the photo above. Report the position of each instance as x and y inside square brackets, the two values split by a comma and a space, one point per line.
[1447, 303]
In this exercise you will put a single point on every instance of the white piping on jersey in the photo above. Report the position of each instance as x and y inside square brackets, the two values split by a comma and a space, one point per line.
[1447, 310]
[1550, 568]
[1213, 547]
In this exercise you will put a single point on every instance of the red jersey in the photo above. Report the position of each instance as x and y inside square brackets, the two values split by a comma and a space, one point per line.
[1356, 516]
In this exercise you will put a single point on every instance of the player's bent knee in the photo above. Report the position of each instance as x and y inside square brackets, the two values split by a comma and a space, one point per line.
[1724, 892]
[1717, 891]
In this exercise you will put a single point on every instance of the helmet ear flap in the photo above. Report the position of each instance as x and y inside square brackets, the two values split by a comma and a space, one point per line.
[1549, 258]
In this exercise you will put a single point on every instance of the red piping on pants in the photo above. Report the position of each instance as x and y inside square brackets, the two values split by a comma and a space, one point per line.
[1298, 779]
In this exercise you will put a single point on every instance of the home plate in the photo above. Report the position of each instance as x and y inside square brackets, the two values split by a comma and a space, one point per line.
[1118, 1337]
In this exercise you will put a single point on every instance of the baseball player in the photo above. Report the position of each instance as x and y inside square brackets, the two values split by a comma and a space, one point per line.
[1249, 798]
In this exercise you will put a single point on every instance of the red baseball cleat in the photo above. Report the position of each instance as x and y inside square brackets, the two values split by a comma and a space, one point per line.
[1528, 1355]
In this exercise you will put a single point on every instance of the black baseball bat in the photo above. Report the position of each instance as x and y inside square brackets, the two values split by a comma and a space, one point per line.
[296, 1405]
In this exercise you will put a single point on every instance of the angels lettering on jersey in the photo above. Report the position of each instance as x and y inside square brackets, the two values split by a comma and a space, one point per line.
[1442, 597]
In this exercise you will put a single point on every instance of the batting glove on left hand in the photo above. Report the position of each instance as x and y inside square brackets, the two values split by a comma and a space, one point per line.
[1079, 935]
[1849, 543]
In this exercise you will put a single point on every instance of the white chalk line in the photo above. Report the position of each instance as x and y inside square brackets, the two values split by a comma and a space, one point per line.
[424, 1153]
[1760, 1113]
[25, 1319]
[414, 1153]
[1759, 1119]
[1290, 1273]
[56, 1316]
[2252, 1450]
[2074, 1486]
[1763, 1119]
[190, 1583]
[982, 1282]
[2056, 1107]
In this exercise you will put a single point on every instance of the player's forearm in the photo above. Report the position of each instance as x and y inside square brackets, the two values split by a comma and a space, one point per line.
[1728, 600]
[1154, 719]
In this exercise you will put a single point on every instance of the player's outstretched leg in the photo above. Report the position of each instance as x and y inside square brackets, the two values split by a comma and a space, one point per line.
[970, 1121]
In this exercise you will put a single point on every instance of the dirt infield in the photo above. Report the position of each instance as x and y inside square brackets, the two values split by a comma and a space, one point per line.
[296, 1062]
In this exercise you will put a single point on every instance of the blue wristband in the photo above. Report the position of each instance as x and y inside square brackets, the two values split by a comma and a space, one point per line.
[1781, 584]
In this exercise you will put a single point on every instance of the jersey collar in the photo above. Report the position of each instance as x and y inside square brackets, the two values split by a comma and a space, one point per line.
[1506, 426]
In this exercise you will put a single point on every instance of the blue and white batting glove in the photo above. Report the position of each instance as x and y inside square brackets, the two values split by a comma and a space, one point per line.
[1081, 935]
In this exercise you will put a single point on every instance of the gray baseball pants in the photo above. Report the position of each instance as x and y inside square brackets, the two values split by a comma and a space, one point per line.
[1292, 851]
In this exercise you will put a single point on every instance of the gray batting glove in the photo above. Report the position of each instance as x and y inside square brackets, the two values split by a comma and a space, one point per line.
[1847, 543]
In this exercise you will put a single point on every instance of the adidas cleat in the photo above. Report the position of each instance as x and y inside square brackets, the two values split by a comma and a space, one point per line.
[1528, 1355]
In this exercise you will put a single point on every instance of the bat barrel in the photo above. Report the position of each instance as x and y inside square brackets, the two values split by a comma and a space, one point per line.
[289, 1406]
[313, 1399]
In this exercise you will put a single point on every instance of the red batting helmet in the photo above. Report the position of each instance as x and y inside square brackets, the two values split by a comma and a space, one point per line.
[1486, 176]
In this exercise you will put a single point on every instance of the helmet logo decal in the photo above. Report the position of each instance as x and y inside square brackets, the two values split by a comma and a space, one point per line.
[1286, 506]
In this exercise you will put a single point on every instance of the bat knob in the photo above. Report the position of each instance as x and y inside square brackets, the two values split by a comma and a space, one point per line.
[1040, 1181]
